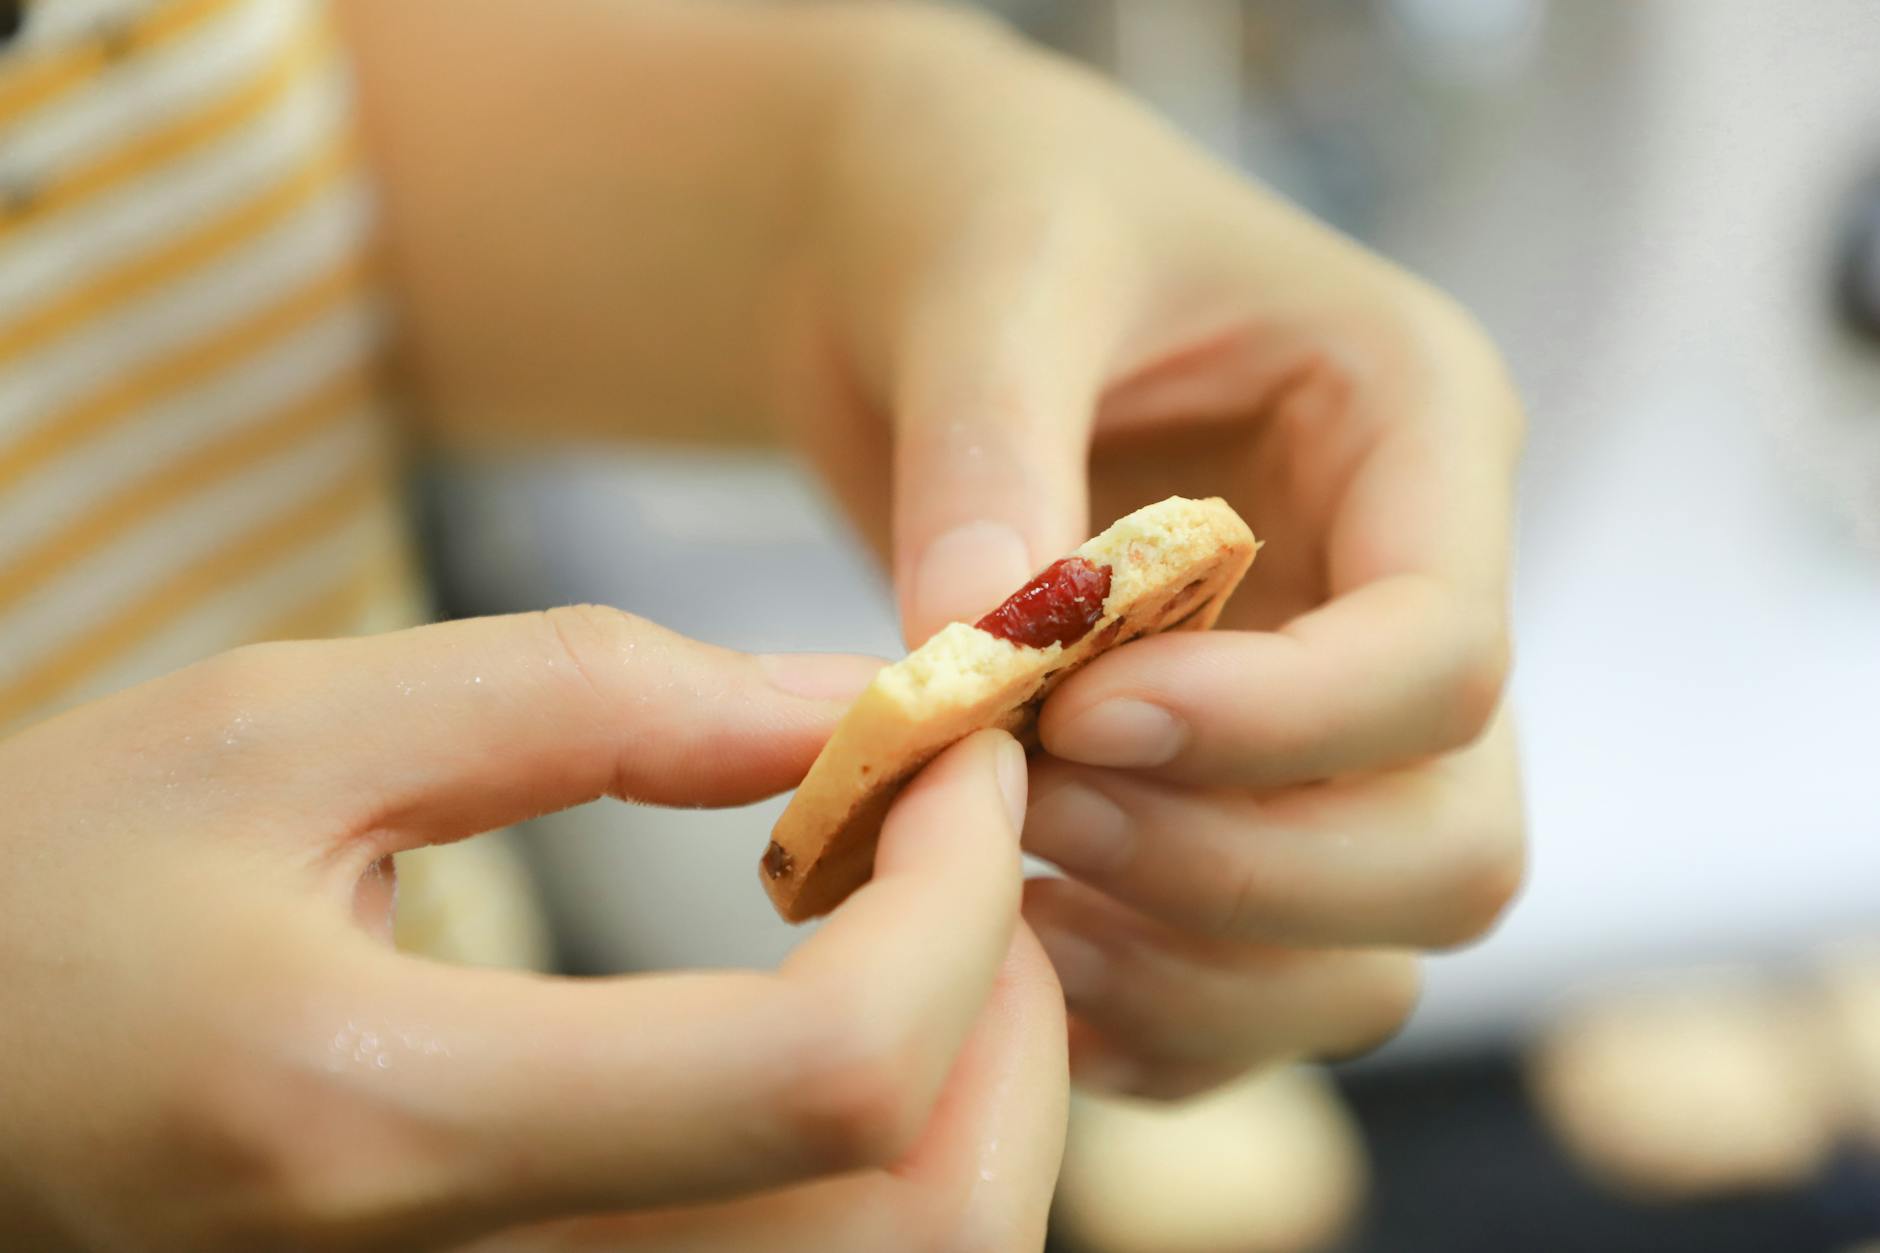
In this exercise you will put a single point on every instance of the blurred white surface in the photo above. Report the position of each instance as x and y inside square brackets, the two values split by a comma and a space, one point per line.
[1699, 619]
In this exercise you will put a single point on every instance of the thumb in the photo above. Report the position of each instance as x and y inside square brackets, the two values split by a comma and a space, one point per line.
[471, 1099]
[1001, 365]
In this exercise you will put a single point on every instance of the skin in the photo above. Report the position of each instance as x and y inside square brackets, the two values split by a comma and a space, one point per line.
[994, 303]
[253, 1066]
[998, 305]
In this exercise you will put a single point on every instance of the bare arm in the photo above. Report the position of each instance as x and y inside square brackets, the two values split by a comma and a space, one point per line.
[588, 202]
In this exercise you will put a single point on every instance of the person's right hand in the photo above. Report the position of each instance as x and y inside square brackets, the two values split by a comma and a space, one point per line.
[208, 1044]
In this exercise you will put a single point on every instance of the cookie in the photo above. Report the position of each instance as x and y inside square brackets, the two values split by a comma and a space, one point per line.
[1273, 1163]
[1704, 1085]
[1167, 567]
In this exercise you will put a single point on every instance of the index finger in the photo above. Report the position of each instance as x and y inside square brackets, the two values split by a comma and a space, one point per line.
[1408, 655]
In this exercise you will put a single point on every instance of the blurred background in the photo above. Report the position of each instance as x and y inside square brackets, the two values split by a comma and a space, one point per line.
[1668, 213]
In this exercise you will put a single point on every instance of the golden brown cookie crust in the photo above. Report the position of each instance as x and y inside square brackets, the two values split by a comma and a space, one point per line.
[1173, 565]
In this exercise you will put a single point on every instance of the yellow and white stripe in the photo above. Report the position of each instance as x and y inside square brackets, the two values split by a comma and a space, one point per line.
[194, 447]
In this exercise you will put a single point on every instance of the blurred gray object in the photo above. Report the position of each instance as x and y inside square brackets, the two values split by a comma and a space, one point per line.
[1858, 264]
[1642, 201]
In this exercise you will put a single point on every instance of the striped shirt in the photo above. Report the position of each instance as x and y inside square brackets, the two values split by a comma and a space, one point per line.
[196, 446]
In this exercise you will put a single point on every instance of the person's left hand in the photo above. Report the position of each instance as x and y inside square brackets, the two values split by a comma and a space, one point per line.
[1027, 308]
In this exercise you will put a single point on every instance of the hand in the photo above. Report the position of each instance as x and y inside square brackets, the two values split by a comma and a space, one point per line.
[998, 305]
[1030, 309]
[209, 1044]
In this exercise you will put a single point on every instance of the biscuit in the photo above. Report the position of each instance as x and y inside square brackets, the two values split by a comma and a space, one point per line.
[1272, 1163]
[1169, 567]
[1706, 1086]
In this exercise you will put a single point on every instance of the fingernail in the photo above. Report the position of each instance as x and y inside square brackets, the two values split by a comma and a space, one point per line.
[1121, 733]
[1081, 966]
[1080, 829]
[1013, 781]
[966, 572]
[818, 676]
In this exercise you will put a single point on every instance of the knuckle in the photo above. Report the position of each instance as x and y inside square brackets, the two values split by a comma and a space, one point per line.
[1458, 336]
[230, 681]
[853, 1104]
[1479, 674]
[1486, 880]
[222, 712]
[302, 1159]
[902, 54]
[235, 1124]
[595, 622]
[585, 633]
[1455, 323]
[923, 22]
[909, 46]
[1381, 991]
[1244, 911]
[588, 644]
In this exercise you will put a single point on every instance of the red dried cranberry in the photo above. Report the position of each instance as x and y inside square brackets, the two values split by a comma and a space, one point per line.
[1058, 607]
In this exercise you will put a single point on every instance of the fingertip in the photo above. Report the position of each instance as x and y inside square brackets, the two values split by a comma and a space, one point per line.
[990, 754]
[970, 796]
